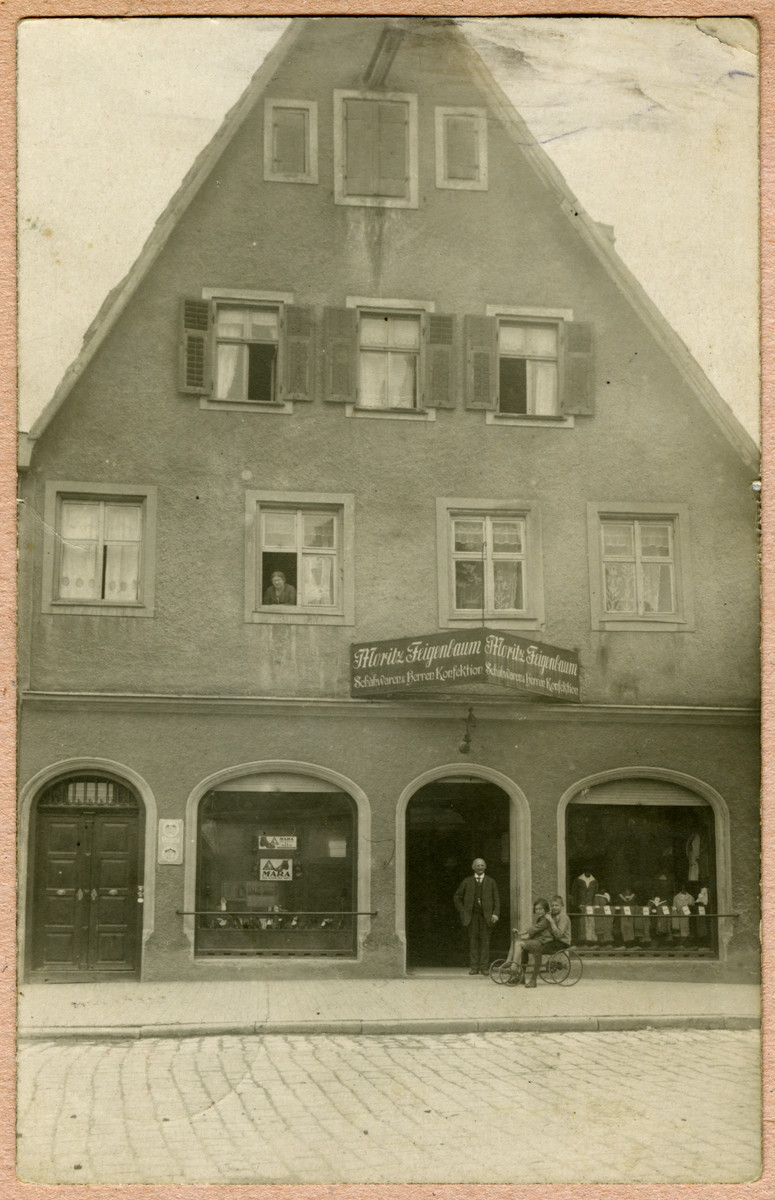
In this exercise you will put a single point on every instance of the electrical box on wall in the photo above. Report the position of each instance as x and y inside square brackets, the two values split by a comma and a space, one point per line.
[170, 841]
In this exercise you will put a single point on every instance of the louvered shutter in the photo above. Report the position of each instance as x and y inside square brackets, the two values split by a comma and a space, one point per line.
[340, 333]
[481, 362]
[393, 149]
[196, 322]
[299, 364]
[440, 361]
[578, 393]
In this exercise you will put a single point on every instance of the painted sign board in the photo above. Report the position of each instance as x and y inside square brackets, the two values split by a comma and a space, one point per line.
[455, 658]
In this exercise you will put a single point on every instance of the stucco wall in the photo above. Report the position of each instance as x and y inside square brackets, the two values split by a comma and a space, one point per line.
[383, 754]
[126, 422]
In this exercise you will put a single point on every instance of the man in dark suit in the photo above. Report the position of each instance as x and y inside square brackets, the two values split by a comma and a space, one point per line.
[478, 903]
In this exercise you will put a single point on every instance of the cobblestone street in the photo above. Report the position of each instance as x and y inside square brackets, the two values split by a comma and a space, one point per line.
[634, 1106]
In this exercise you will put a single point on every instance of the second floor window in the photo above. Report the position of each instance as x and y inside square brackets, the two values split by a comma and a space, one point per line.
[246, 341]
[527, 368]
[389, 345]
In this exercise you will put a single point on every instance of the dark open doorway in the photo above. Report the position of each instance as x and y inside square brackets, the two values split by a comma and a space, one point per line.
[449, 823]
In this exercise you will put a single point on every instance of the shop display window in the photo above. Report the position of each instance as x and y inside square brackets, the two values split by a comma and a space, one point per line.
[631, 855]
[276, 874]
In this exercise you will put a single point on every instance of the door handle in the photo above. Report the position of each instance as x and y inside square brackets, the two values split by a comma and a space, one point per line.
[79, 895]
[140, 894]
[93, 893]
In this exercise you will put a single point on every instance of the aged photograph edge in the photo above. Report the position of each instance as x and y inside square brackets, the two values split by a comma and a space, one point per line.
[15, 11]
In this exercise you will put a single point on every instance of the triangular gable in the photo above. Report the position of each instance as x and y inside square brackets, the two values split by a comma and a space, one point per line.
[594, 236]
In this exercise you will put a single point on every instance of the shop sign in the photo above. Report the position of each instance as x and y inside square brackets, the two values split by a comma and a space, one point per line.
[276, 868]
[453, 659]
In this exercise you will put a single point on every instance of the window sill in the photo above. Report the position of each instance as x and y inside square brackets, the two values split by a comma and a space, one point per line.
[272, 177]
[557, 421]
[378, 201]
[391, 414]
[288, 617]
[264, 406]
[74, 609]
[670, 624]
[476, 621]
[462, 185]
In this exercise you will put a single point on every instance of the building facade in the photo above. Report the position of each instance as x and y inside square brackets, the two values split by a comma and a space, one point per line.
[382, 522]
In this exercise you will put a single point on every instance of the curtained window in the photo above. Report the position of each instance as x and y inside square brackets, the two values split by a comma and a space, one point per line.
[99, 550]
[638, 563]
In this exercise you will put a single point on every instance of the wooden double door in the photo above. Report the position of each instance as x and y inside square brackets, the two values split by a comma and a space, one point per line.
[86, 899]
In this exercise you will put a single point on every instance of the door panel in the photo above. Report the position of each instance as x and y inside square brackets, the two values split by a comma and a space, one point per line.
[113, 892]
[84, 910]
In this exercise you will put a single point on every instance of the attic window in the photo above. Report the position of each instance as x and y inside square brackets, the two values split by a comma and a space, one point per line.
[375, 149]
[461, 148]
[291, 141]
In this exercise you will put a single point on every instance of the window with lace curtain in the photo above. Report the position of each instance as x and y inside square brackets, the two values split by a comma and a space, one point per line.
[98, 549]
[490, 563]
[639, 561]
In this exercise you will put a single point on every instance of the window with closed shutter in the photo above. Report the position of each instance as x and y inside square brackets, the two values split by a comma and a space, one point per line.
[461, 148]
[290, 141]
[375, 142]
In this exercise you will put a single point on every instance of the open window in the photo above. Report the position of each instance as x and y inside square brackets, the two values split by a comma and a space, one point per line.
[247, 350]
[299, 558]
[530, 365]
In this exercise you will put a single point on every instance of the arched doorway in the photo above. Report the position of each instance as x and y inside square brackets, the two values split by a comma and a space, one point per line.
[84, 898]
[449, 822]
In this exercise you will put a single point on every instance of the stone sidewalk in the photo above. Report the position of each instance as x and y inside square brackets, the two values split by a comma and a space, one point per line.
[447, 1003]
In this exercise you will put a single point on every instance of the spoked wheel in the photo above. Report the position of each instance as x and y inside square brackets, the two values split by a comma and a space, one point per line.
[575, 968]
[510, 973]
[557, 968]
[495, 968]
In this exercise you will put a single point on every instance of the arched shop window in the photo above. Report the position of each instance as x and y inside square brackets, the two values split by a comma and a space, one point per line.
[276, 868]
[629, 841]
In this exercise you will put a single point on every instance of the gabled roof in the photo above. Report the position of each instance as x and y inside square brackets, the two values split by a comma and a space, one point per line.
[596, 237]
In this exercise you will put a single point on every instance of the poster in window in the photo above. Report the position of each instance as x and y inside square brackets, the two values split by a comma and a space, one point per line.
[276, 841]
[276, 868]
